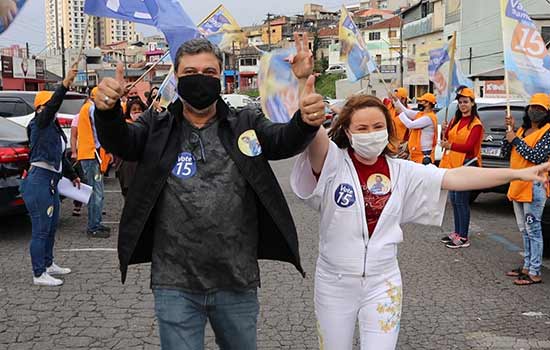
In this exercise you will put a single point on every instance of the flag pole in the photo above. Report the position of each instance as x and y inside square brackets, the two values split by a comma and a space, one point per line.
[83, 42]
[148, 70]
[451, 71]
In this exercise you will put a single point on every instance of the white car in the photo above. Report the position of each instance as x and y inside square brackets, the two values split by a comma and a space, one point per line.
[237, 101]
[336, 69]
[18, 106]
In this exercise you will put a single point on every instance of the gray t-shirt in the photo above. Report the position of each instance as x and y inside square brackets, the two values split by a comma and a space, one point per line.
[206, 224]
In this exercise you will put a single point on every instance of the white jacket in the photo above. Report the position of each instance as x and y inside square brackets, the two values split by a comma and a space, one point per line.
[344, 244]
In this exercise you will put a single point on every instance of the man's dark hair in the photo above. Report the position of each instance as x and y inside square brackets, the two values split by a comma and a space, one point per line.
[196, 46]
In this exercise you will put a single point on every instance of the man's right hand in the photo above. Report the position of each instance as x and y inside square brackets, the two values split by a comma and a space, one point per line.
[110, 90]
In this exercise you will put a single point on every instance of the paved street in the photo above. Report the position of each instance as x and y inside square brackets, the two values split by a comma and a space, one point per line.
[452, 299]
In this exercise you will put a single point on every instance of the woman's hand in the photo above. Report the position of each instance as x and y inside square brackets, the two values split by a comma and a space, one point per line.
[76, 182]
[510, 135]
[537, 173]
[445, 144]
[510, 122]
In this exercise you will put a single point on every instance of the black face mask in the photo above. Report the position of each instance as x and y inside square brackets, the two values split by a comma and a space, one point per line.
[421, 108]
[199, 90]
[536, 116]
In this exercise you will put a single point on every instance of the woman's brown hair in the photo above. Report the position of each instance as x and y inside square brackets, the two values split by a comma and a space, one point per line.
[338, 130]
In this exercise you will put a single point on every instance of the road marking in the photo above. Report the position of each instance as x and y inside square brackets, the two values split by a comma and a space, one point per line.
[89, 250]
[511, 247]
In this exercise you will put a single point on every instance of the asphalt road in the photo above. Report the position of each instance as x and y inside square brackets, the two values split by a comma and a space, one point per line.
[453, 299]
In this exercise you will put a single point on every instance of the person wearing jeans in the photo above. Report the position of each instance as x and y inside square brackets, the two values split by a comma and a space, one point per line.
[182, 318]
[39, 187]
[461, 142]
[88, 154]
[527, 147]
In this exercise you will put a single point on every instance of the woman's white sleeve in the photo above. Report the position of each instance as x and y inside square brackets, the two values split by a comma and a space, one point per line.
[424, 200]
[304, 183]
[408, 112]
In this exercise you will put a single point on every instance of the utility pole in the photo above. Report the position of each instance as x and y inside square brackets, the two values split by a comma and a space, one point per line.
[470, 60]
[269, 31]
[62, 53]
[234, 67]
[401, 52]
[28, 52]
[125, 63]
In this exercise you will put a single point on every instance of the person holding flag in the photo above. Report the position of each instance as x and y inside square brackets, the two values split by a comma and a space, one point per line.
[462, 144]
[401, 131]
[529, 146]
[195, 159]
[422, 128]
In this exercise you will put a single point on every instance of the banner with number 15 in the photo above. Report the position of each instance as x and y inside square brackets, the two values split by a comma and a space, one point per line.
[526, 59]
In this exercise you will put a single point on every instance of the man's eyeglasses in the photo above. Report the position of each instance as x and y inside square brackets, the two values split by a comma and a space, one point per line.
[195, 140]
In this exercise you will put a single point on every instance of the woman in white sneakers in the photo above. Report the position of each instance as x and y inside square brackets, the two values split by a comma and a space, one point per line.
[364, 195]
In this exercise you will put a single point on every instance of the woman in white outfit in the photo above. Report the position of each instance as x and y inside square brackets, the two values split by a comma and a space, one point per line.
[357, 275]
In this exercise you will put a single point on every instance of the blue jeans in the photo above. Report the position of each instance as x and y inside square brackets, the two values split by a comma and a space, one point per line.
[39, 191]
[93, 177]
[182, 319]
[528, 217]
[461, 210]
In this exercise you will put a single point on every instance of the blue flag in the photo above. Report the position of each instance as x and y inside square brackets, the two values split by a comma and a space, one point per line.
[172, 20]
[127, 10]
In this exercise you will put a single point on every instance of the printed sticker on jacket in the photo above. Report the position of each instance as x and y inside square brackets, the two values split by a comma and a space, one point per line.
[186, 166]
[344, 195]
[249, 144]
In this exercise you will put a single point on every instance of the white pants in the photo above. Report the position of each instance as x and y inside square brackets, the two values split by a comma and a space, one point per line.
[342, 299]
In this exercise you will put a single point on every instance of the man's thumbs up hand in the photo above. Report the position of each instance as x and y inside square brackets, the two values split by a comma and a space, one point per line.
[110, 90]
[311, 104]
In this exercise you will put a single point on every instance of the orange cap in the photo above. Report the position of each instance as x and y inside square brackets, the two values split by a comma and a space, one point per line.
[401, 93]
[540, 99]
[93, 93]
[41, 98]
[428, 97]
[467, 92]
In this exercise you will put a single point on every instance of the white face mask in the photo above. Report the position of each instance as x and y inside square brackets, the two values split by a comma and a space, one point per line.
[370, 145]
[135, 116]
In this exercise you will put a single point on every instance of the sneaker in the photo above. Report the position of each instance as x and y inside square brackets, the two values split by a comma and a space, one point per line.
[56, 270]
[104, 228]
[448, 239]
[46, 280]
[98, 234]
[458, 242]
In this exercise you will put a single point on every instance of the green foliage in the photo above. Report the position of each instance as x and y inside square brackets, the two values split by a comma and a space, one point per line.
[325, 84]
[251, 93]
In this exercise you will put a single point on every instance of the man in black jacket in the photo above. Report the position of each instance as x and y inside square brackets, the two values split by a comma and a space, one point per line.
[204, 204]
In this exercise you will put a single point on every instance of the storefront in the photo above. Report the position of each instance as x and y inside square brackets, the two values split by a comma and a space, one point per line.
[23, 74]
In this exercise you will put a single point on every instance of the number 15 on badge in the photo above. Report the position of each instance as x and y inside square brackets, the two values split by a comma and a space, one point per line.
[186, 166]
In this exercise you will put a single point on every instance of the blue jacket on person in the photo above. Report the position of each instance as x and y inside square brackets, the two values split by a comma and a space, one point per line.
[45, 135]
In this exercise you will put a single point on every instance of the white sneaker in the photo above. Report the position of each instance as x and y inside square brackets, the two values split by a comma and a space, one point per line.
[56, 270]
[46, 280]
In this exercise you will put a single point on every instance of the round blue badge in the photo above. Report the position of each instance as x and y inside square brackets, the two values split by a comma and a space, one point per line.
[344, 195]
[186, 166]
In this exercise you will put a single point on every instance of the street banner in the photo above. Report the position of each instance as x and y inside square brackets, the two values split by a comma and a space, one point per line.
[8, 11]
[526, 59]
[168, 90]
[127, 10]
[353, 50]
[278, 86]
[446, 75]
[221, 28]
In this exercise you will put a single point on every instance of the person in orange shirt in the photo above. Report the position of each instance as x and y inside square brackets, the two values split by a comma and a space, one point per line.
[401, 131]
[422, 127]
[93, 160]
[529, 146]
[462, 144]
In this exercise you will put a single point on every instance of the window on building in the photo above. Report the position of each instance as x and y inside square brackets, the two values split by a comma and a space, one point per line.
[413, 49]
[248, 61]
[426, 8]
[392, 34]
[374, 36]
[378, 59]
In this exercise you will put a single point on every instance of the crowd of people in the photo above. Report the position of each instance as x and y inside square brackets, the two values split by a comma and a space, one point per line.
[203, 205]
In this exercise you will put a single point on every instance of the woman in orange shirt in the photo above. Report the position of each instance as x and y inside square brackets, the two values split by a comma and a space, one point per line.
[462, 144]
[529, 146]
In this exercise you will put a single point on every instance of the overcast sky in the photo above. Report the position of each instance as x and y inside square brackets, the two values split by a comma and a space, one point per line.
[29, 26]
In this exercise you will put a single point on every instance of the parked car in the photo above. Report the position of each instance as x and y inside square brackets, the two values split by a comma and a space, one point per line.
[336, 69]
[14, 158]
[238, 101]
[19, 107]
[492, 113]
